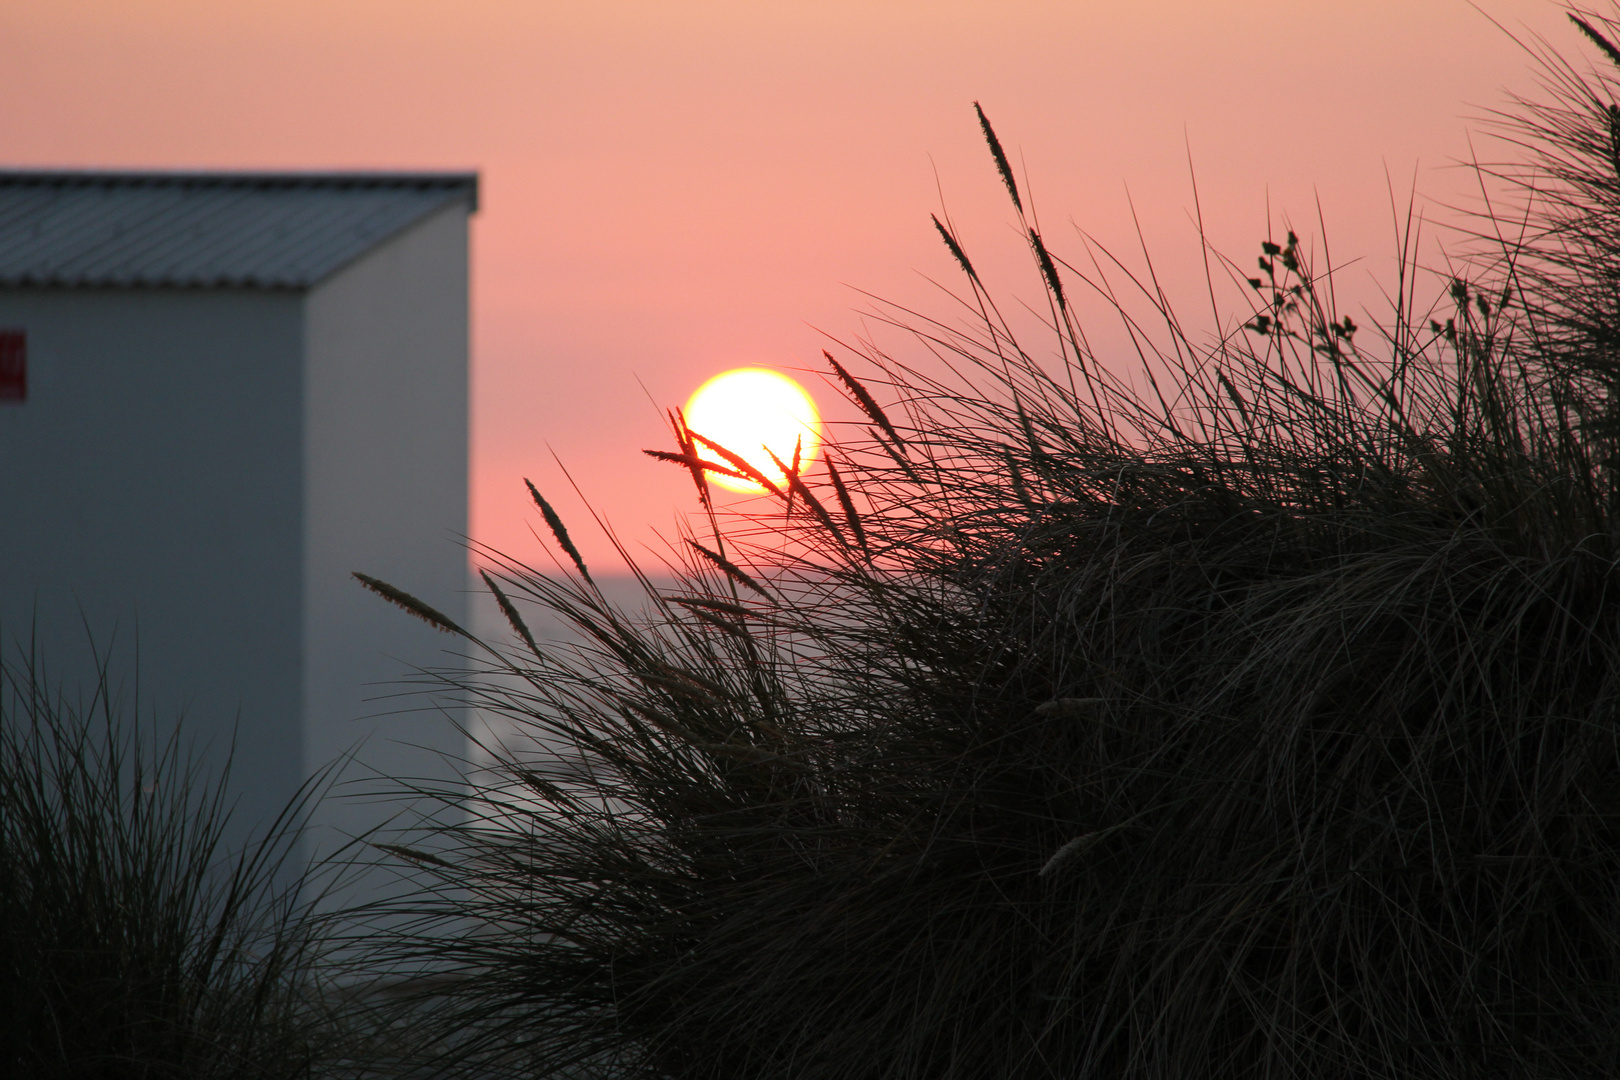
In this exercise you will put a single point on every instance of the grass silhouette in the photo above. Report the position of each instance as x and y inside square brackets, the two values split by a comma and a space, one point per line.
[134, 943]
[1251, 716]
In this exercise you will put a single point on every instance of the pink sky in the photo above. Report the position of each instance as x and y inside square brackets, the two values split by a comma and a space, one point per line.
[672, 189]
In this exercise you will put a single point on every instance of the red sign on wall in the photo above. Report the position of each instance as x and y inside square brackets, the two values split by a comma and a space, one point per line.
[13, 365]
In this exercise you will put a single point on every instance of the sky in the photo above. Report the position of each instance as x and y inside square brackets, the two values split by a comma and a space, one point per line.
[673, 189]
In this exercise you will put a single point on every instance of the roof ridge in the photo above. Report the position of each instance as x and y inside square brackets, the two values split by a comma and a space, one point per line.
[226, 178]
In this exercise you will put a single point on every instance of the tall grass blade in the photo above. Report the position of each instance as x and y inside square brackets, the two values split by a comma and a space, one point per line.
[864, 399]
[404, 600]
[558, 530]
[1002, 167]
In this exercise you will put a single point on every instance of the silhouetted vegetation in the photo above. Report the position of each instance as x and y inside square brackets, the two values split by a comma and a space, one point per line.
[1247, 713]
[134, 944]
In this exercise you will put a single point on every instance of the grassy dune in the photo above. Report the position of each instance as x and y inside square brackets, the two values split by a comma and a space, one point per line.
[1251, 713]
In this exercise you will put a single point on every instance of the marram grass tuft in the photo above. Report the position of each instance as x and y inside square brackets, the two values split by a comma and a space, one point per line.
[135, 944]
[1259, 724]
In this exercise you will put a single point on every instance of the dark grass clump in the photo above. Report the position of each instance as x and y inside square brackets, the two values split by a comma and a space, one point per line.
[134, 945]
[1253, 716]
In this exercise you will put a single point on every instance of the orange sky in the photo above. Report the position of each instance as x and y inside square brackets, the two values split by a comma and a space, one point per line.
[671, 189]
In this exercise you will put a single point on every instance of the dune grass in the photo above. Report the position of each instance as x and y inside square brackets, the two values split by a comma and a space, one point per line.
[134, 943]
[1248, 713]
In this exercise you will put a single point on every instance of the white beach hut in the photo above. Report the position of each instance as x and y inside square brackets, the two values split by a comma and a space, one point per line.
[220, 393]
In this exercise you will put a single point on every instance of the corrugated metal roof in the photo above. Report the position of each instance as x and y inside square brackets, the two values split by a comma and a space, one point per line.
[205, 230]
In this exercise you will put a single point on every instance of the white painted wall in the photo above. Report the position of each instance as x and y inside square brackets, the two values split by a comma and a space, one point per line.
[385, 456]
[151, 484]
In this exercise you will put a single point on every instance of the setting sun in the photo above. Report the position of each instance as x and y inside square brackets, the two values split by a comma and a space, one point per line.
[750, 410]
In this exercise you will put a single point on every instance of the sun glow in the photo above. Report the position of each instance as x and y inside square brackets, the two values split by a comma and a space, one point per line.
[754, 412]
